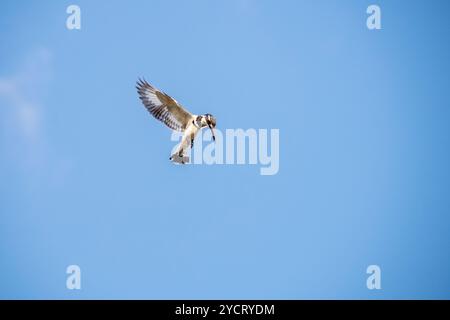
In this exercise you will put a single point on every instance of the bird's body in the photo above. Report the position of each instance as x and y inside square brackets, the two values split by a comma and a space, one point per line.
[188, 136]
[168, 110]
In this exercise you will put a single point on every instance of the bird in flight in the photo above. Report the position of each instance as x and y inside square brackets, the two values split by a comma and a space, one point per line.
[166, 109]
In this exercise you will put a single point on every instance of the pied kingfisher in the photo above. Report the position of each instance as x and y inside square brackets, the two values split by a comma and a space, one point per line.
[168, 110]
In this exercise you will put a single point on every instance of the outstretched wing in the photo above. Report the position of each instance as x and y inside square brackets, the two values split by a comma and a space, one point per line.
[163, 107]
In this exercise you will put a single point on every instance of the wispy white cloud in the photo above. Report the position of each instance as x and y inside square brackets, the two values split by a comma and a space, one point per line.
[21, 108]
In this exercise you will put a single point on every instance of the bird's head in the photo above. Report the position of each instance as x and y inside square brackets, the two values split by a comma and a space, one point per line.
[211, 123]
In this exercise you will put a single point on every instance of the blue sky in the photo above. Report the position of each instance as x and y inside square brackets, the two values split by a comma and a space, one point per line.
[364, 150]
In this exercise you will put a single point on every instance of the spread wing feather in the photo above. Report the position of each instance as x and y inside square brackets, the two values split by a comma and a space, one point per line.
[163, 107]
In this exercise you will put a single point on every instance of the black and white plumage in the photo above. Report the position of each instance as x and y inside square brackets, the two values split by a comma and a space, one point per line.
[167, 110]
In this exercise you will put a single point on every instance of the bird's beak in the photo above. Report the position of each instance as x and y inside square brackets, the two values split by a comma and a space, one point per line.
[212, 131]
